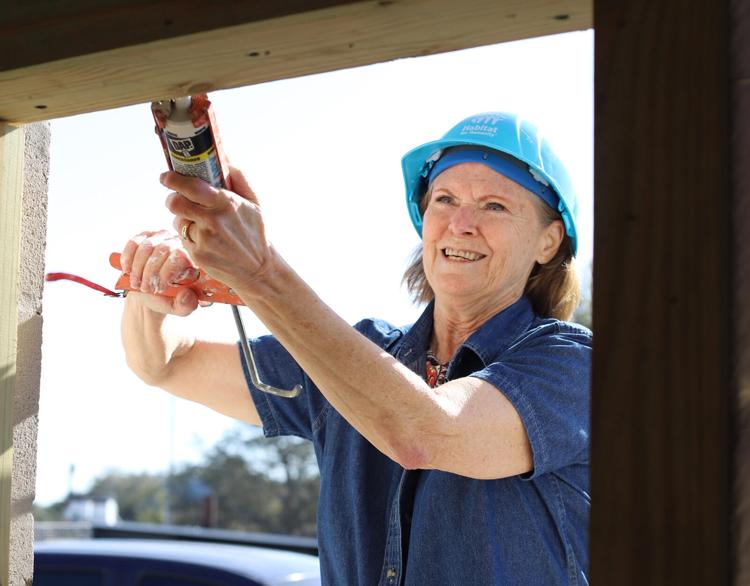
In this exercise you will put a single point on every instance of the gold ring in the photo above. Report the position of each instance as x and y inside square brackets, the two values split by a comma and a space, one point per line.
[185, 231]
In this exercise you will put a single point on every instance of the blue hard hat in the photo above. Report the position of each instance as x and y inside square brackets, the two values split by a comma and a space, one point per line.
[503, 132]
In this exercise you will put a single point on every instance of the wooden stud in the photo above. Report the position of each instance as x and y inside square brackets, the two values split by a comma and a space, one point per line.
[740, 80]
[662, 372]
[11, 191]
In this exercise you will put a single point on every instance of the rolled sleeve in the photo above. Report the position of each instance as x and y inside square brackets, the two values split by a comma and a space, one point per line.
[546, 376]
[304, 414]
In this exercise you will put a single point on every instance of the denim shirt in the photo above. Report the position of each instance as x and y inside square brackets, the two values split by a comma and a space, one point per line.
[381, 524]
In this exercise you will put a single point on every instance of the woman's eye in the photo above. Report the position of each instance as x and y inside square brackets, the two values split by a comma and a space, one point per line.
[443, 199]
[495, 206]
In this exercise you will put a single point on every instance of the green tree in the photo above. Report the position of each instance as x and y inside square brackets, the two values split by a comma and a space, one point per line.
[140, 497]
[256, 484]
[246, 500]
[50, 513]
[264, 484]
[292, 461]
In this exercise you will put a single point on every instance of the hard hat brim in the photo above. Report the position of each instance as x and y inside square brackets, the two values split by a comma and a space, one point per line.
[414, 163]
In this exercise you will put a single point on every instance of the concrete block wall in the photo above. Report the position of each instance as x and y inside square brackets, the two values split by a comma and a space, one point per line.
[29, 357]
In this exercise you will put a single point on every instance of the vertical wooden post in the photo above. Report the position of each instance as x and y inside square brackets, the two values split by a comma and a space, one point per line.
[11, 188]
[663, 350]
[740, 79]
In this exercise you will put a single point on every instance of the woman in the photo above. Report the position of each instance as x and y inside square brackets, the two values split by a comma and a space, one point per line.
[454, 451]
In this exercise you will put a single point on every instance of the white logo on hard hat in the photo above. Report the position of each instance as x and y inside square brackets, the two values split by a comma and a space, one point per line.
[486, 119]
[482, 129]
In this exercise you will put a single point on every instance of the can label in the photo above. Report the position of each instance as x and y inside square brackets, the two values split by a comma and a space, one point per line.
[187, 131]
[194, 155]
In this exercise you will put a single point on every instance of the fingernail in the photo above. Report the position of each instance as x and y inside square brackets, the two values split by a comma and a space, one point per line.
[135, 282]
[155, 284]
[163, 178]
[187, 276]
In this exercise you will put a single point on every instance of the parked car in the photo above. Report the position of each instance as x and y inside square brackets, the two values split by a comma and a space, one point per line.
[152, 562]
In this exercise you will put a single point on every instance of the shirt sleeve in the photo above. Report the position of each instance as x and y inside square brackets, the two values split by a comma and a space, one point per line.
[304, 414]
[546, 376]
[281, 415]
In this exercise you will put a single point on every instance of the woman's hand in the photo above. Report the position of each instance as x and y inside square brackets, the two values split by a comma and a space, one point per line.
[154, 261]
[223, 230]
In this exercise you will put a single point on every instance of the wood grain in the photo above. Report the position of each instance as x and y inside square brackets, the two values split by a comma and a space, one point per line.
[82, 27]
[331, 38]
[663, 350]
[11, 190]
[740, 80]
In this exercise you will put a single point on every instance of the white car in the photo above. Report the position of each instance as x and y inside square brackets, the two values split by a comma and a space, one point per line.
[162, 562]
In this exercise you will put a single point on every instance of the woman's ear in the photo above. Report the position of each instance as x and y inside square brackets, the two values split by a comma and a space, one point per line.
[549, 241]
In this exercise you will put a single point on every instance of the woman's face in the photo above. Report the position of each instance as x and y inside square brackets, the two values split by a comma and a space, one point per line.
[482, 234]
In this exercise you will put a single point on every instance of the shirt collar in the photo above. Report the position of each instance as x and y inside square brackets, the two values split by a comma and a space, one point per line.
[492, 338]
[496, 334]
[416, 340]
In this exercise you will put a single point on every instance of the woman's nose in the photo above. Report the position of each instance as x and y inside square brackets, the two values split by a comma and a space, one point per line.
[464, 220]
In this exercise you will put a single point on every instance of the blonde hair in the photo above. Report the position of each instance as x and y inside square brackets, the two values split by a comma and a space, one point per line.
[553, 288]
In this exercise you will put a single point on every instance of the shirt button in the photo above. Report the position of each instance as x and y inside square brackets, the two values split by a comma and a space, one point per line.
[390, 573]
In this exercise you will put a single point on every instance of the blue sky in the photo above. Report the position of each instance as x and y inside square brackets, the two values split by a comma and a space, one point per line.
[323, 154]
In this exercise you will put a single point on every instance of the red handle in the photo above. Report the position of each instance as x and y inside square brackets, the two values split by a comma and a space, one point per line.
[206, 288]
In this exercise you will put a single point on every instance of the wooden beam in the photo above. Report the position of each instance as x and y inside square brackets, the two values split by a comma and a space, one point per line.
[82, 27]
[11, 190]
[662, 369]
[347, 35]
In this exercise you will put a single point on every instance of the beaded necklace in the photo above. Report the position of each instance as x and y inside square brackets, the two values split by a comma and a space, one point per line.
[437, 372]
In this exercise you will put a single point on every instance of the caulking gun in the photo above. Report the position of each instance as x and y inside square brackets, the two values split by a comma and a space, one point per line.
[188, 132]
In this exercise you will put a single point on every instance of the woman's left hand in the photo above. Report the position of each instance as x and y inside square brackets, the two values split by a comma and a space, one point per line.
[223, 230]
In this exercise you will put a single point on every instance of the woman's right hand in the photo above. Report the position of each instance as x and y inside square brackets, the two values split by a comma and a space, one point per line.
[154, 261]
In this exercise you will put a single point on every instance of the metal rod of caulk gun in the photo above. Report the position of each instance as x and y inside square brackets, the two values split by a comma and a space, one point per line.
[194, 150]
[250, 361]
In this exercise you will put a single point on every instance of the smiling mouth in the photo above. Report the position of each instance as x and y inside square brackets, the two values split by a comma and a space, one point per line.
[463, 255]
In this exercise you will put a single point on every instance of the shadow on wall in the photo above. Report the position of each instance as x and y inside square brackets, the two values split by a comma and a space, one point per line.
[24, 416]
